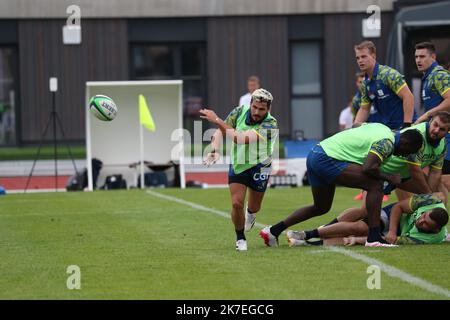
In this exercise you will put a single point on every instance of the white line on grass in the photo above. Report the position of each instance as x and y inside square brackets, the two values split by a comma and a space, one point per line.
[190, 204]
[391, 271]
[394, 272]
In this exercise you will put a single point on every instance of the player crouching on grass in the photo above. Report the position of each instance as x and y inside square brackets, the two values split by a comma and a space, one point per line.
[253, 132]
[420, 219]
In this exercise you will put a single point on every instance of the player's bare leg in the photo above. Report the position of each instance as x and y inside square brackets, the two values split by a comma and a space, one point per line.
[323, 199]
[444, 188]
[402, 194]
[337, 230]
[352, 214]
[347, 241]
[353, 177]
[446, 180]
[255, 199]
[343, 229]
[238, 192]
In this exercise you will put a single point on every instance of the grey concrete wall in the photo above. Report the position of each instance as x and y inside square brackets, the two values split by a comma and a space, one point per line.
[181, 8]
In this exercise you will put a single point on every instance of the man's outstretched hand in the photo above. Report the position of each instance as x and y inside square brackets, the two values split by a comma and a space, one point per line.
[211, 158]
[209, 115]
[391, 237]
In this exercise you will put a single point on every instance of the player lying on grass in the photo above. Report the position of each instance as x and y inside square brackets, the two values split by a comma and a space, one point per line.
[351, 158]
[420, 219]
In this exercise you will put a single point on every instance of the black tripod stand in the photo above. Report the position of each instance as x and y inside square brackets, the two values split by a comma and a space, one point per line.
[53, 118]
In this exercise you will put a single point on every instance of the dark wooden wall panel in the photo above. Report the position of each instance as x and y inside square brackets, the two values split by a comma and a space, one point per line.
[102, 56]
[241, 46]
[342, 32]
[236, 48]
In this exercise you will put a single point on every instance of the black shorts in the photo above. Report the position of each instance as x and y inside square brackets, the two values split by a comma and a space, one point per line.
[385, 218]
[382, 225]
[255, 178]
[446, 167]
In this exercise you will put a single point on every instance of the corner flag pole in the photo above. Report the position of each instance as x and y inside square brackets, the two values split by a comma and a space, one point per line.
[145, 119]
[141, 135]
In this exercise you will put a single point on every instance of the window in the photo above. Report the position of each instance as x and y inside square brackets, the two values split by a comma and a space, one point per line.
[154, 62]
[185, 61]
[8, 95]
[306, 90]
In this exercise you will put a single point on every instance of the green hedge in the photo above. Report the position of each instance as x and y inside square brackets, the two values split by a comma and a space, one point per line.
[29, 153]
[78, 152]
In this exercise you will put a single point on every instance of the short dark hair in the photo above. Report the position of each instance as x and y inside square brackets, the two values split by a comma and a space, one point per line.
[367, 45]
[413, 138]
[443, 115]
[447, 66]
[426, 45]
[440, 216]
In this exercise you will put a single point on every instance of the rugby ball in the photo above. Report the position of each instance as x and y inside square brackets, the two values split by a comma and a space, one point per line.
[103, 107]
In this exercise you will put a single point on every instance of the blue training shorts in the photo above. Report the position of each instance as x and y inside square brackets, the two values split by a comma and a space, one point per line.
[322, 170]
[385, 217]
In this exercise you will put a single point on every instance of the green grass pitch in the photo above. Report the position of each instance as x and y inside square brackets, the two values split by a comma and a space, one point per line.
[132, 245]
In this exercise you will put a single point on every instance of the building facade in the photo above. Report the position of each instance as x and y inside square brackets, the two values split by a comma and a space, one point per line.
[301, 50]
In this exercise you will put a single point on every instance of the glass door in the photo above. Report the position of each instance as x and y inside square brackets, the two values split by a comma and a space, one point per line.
[306, 90]
[8, 95]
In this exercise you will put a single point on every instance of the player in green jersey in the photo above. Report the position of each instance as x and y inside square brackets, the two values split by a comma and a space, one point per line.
[351, 158]
[420, 219]
[253, 132]
[430, 156]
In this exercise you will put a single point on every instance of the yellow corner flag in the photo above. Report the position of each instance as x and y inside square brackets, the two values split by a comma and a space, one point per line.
[145, 116]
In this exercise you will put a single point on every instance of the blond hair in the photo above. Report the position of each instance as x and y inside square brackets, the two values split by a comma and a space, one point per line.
[367, 45]
[253, 78]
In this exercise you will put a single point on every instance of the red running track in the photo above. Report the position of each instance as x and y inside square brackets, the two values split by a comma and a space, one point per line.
[38, 182]
[48, 182]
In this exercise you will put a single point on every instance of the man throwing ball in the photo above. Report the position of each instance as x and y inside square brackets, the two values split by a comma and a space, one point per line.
[253, 132]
